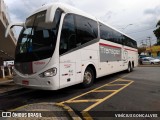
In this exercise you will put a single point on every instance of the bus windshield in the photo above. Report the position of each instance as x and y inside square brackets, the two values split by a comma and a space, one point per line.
[38, 39]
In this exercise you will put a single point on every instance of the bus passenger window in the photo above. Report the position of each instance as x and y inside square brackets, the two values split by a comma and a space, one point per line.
[87, 29]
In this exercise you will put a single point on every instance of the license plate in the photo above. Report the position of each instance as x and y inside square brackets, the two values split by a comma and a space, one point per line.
[25, 82]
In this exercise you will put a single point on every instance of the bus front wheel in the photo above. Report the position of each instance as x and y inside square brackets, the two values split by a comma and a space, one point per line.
[88, 78]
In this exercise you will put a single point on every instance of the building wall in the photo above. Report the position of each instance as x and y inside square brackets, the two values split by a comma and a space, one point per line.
[154, 50]
[3, 13]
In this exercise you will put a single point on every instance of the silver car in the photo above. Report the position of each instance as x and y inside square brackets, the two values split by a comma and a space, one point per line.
[150, 60]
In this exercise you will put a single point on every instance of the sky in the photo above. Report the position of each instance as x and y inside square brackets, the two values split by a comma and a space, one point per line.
[136, 18]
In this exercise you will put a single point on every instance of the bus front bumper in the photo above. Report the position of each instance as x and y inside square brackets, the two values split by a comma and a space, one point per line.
[34, 83]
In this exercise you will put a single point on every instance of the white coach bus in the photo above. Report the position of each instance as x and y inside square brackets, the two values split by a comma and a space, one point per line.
[60, 46]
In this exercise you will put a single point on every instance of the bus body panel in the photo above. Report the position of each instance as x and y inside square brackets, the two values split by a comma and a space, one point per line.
[112, 63]
[70, 68]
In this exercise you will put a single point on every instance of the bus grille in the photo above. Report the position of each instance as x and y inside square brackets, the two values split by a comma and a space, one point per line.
[24, 68]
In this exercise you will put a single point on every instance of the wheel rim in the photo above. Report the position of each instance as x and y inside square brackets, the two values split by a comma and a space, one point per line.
[87, 77]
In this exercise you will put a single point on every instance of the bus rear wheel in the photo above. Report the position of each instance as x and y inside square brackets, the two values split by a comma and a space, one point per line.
[88, 78]
[129, 69]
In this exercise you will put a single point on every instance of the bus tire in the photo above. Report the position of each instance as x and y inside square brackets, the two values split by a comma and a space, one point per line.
[129, 69]
[88, 78]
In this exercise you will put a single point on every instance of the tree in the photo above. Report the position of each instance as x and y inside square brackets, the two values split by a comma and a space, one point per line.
[157, 32]
[141, 50]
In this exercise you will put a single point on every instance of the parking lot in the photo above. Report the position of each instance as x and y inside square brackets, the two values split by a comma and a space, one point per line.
[137, 91]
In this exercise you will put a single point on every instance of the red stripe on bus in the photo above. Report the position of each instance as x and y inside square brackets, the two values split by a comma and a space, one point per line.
[130, 50]
[102, 44]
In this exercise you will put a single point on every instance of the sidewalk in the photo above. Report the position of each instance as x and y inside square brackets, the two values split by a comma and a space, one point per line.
[7, 85]
[148, 65]
[43, 111]
[8, 79]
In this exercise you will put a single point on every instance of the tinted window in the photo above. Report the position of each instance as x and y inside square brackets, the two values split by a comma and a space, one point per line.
[129, 42]
[117, 37]
[105, 32]
[112, 35]
[37, 41]
[86, 28]
[76, 31]
[134, 43]
[68, 35]
[109, 34]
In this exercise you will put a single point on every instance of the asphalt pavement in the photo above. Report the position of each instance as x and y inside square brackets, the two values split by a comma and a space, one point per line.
[136, 92]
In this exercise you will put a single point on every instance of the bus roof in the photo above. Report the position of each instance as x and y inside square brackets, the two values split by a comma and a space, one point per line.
[69, 9]
[65, 7]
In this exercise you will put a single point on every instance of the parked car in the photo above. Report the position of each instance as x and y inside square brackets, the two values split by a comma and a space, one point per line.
[158, 57]
[141, 57]
[150, 60]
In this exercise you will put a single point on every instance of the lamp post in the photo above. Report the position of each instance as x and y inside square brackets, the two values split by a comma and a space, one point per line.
[126, 26]
[149, 39]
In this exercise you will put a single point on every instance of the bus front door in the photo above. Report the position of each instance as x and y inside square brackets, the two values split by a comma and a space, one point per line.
[70, 69]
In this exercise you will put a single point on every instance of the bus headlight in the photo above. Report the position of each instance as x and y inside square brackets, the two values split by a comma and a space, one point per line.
[49, 73]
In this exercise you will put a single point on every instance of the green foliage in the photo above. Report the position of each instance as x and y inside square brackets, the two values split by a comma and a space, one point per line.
[158, 42]
[157, 32]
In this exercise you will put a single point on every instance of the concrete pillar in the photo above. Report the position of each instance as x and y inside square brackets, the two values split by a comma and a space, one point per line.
[2, 72]
[12, 68]
[9, 70]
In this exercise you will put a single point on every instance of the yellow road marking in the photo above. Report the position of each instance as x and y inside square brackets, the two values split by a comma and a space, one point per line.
[104, 90]
[88, 92]
[70, 111]
[107, 97]
[116, 84]
[124, 80]
[96, 102]
[121, 80]
[81, 101]
[86, 115]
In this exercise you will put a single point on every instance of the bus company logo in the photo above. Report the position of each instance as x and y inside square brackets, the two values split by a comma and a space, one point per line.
[110, 51]
[67, 65]
[39, 63]
[6, 114]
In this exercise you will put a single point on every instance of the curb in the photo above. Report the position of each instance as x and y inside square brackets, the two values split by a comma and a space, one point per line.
[72, 114]
[6, 81]
[63, 107]
[148, 65]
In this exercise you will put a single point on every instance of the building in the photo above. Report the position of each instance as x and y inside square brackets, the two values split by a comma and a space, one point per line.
[153, 51]
[7, 45]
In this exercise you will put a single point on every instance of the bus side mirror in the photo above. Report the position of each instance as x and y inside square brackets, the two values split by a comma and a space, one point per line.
[11, 26]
